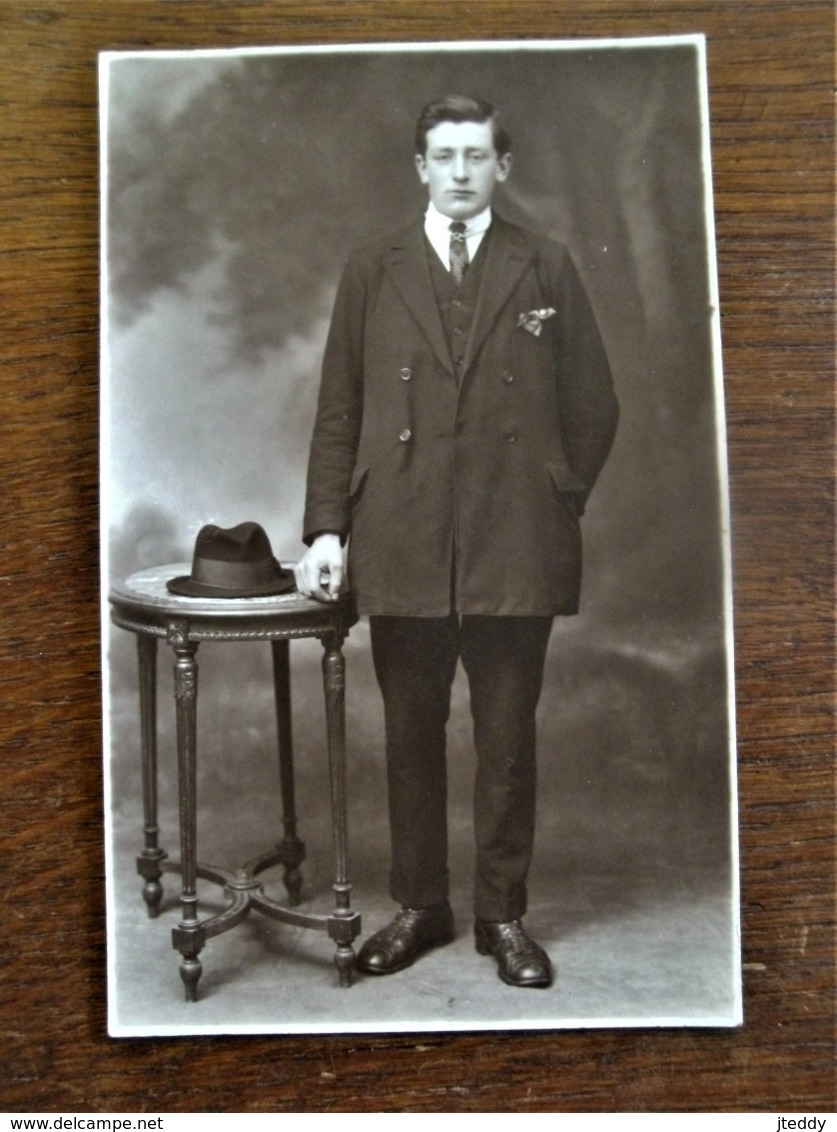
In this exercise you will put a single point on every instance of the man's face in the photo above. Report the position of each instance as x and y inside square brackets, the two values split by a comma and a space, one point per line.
[461, 168]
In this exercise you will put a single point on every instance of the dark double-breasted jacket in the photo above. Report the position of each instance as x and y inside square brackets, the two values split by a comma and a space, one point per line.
[460, 488]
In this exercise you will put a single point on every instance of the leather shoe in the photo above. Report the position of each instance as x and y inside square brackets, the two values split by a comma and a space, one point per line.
[520, 961]
[411, 932]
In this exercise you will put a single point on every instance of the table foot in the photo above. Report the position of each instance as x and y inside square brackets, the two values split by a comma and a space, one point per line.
[344, 927]
[152, 894]
[344, 961]
[189, 938]
[190, 972]
[148, 867]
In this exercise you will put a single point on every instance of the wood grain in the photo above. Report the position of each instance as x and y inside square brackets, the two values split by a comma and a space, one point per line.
[771, 65]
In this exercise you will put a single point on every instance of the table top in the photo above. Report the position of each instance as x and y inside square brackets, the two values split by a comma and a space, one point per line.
[142, 601]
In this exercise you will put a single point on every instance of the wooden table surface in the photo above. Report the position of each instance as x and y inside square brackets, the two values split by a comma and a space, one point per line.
[771, 68]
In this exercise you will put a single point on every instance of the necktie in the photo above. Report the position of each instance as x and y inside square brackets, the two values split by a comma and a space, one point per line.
[458, 250]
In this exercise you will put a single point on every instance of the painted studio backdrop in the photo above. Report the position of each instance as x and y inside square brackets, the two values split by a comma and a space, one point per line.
[235, 185]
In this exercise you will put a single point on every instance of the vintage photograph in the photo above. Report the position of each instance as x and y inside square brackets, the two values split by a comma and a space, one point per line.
[416, 595]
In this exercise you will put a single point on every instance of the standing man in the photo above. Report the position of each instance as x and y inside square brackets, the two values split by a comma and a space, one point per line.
[465, 412]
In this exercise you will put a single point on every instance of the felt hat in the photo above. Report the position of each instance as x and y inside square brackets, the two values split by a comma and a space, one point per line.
[233, 562]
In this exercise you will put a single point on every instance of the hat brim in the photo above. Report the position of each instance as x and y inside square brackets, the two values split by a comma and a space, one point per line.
[186, 587]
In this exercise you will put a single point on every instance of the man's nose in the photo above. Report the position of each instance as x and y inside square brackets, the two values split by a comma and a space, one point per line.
[460, 167]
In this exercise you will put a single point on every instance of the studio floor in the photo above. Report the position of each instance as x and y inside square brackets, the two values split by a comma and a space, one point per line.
[632, 888]
[629, 949]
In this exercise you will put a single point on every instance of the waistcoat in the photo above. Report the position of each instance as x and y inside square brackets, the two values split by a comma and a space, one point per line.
[457, 302]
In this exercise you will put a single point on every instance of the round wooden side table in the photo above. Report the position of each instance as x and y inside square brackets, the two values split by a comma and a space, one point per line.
[144, 606]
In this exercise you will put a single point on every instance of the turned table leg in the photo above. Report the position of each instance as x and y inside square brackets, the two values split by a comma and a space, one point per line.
[343, 925]
[291, 848]
[188, 937]
[148, 862]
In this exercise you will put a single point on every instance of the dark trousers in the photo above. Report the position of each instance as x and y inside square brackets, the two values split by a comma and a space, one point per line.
[415, 660]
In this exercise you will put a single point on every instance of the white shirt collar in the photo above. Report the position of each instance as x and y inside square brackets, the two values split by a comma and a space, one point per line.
[437, 229]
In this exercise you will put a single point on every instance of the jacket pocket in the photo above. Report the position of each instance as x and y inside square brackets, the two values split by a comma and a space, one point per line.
[357, 483]
[565, 479]
[571, 489]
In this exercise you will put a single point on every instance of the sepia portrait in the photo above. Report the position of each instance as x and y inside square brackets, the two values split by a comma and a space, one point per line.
[513, 467]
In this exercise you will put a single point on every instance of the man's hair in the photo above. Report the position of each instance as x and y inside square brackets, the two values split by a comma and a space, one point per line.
[460, 108]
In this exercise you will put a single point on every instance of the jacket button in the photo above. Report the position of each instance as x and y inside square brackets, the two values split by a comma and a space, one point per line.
[404, 434]
[406, 373]
[508, 377]
[511, 437]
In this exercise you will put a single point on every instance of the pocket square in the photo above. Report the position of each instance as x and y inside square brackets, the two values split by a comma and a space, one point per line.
[533, 320]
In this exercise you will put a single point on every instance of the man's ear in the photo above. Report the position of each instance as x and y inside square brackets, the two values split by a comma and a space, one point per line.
[421, 166]
[504, 165]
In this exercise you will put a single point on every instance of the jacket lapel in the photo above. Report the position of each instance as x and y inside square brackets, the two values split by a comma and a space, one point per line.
[508, 256]
[410, 272]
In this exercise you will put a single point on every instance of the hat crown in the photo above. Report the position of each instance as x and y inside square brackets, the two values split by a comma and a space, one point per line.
[233, 562]
[244, 543]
